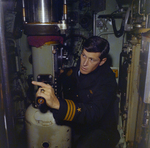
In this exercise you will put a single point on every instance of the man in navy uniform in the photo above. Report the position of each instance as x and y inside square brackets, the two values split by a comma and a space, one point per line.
[89, 103]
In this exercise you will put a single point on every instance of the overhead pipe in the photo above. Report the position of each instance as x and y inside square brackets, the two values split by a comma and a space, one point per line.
[7, 104]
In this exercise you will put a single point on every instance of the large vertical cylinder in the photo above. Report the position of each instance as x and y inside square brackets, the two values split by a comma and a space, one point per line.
[43, 11]
[43, 60]
[41, 17]
[43, 132]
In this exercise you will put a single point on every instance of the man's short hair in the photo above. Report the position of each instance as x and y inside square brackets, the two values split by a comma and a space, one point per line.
[97, 44]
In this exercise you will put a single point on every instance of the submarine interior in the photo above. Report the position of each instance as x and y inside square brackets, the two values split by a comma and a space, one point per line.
[39, 38]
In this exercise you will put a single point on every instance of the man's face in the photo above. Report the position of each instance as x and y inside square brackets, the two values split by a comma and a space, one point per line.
[89, 61]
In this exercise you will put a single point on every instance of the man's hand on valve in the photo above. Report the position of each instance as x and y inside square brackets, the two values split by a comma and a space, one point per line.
[46, 91]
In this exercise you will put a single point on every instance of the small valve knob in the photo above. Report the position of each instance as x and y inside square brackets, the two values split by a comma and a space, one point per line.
[41, 102]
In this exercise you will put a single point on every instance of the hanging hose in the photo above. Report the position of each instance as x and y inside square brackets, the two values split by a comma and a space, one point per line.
[113, 16]
[118, 33]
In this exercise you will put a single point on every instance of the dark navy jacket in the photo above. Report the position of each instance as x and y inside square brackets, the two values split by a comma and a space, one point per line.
[88, 100]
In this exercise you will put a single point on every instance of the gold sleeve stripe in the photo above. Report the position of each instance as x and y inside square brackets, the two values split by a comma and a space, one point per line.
[74, 111]
[70, 111]
[67, 109]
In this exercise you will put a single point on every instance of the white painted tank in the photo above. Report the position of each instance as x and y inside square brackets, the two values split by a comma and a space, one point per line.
[43, 132]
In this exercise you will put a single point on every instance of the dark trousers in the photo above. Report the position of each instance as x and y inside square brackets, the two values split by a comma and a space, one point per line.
[97, 139]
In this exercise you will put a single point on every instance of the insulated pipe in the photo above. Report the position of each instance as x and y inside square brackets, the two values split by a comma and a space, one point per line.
[6, 107]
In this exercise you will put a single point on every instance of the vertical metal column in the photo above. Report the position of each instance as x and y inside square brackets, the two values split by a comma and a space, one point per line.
[132, 93]
[5, 98]
[94, 24]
